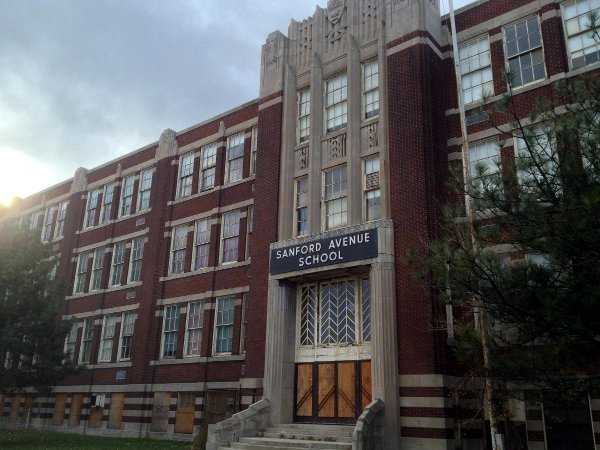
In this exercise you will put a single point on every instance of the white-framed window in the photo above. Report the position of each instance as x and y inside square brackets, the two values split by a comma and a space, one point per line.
[118, 262]
[91, 209]
[208, 166]
[106, 339]
[483, 159]
[304, 115]
[336, 103]
[370, 89]
[107, 199]
[336, 313]
[48, 220]
[61, 216]
[224, 313]
[201, 243]
[193, 333]
[85, 352]
[127, 328]
[253, 150]
[34, 221]
[186, 174]
[475, 69]
[170, 331]
[97, 265]
[524, 52]
[135, 263]
[235, 157]
[127, 196]
[249, 228]
[537, 163]
[372, 189]
[70, 341]
[178, 246]
[145, 189]
[582, 46]
[336, 200]
[302, 206]
[81, 272]
[244, 323]
[230, 236]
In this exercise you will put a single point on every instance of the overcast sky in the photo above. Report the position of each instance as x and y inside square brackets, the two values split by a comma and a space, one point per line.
[84, 81]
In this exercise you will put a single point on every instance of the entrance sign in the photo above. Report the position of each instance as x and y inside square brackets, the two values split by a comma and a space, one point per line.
[323, 252]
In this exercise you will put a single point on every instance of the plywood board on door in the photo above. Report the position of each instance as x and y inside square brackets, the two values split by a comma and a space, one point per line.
[184, 419]
[304, 390]
[115, 412]
[347, 390]
[160, 411]
[365, 383]
[58, 414]
[76, 406]
[326, 391]
[15, 408]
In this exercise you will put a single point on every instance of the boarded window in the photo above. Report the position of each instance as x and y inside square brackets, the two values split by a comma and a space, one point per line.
[184, 420]
[76, 405]
[160, 411]
[115, 413]
[58, 414]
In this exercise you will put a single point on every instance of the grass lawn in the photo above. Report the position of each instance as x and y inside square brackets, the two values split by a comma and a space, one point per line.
[42, 440]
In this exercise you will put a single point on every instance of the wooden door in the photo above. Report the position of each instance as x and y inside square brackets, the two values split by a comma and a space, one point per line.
[160, 411]
[58, 415]
[220, 405]
[95, 417]
[15, 408]
[115, 412]
[365, 383]
[76, 406]
[334, 392]
[184, 420]
[29, 407]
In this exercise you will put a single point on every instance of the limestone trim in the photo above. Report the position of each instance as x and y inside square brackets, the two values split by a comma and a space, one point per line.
[101, 312]
[202, 296]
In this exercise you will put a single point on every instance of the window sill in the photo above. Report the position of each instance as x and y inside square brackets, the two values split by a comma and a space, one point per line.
[209, 191]
[204, 270]
[117, 220]
[103, 291]
[108, 365]
[198, 359]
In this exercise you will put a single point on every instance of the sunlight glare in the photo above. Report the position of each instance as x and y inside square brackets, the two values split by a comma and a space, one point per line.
[21, 175]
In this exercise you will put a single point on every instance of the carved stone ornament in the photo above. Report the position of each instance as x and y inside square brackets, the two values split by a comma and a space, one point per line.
[335, 11]
[271, 51]
[302, 158]
[167, 144]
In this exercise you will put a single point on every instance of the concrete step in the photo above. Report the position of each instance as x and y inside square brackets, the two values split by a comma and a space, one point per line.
[312, 429]
[275, 443]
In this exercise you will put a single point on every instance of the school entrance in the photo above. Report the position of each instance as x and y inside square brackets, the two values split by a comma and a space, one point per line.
[333, 367]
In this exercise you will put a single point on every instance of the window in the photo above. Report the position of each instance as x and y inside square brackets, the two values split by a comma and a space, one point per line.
[231, 232]
[127, 327]
[336, 104]
[145, 188]
[171, 326]
[201, 243]
[249, 228]
[524, 52]
[186, 173]
[372, 190]
[107, 199]
[475, 69]
[59, 229]
[106, 342]
[336, 204]
[195, 317]
[253, 150]
[302, 206]
[34, 221]
[178, 245]
[303, 115]
[48, 220]
[483, 159]
[135, 265]
[335, 313]
[371, 89]
[97, 265]
[224, 325]
[127, 196]
[70, 341]
[118, 261]
[581, 43]
[244, 323]
[209, 163]
[537, 163]
[85, 352]
[81, 272]
[91, 208]
[235, 157]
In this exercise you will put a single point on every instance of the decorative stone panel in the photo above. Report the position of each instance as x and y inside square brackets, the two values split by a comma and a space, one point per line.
[370, 135]
[301, 158]
[336, 147]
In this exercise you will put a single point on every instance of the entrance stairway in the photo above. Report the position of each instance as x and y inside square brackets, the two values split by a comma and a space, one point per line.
[294, 436]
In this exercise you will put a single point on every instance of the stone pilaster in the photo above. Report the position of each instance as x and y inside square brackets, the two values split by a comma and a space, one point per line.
[279, 358]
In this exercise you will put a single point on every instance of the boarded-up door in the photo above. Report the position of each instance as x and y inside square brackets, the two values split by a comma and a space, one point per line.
[58, 415]
[304, 390]
[365, 383]
[160, 411]
[220, 405]
[96, 411]
[76, 405]
[115, 413]
[184, 420]
[14, 408]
